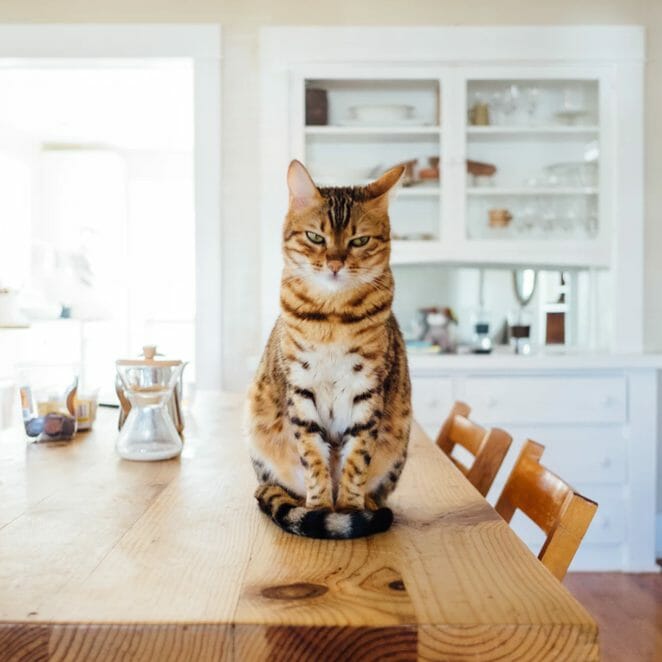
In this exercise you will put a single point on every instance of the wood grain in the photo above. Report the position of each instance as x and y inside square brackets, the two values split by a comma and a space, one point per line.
[103, 559]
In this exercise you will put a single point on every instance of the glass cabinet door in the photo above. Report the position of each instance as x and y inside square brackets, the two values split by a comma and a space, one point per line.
[533, 159]
[356, 128]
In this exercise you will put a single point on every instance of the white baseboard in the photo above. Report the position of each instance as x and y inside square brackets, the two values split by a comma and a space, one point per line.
[658, 536]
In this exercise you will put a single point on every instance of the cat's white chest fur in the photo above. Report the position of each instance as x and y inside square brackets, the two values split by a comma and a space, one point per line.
[335, 381]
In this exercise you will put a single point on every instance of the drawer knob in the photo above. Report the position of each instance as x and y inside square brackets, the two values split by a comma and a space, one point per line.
[433, 404]
[492, 401]
[608, 401]
[606, 463]
[606, 523]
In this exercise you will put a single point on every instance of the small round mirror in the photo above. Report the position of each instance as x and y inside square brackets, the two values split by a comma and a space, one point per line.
[524, 284]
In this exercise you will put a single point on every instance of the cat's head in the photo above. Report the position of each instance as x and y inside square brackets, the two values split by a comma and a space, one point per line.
[337, 238]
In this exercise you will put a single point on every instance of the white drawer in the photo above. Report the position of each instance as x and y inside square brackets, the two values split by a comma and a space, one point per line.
[432, 398]
[546, 399]
[591, 455]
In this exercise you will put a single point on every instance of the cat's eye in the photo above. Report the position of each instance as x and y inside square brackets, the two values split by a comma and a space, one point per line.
[315, 238]
[359, 241]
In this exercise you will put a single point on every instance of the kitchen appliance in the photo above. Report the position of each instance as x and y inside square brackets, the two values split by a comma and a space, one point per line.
[519, 322]
[481, 342]
[151, 422]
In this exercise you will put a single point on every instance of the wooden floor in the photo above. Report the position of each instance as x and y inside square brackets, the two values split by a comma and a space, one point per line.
[628, 609]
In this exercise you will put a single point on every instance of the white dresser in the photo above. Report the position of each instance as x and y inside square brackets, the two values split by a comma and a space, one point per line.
[597, 416]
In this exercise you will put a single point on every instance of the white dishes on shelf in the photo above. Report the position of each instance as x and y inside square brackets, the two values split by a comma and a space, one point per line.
[570, 117]
[386, 113]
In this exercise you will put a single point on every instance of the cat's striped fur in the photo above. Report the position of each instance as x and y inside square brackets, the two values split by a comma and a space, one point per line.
[329, 410]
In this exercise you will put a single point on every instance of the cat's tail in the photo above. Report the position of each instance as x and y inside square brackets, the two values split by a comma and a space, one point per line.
[286, 511]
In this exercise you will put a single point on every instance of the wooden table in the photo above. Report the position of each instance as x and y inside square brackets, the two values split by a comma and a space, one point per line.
[104, 559]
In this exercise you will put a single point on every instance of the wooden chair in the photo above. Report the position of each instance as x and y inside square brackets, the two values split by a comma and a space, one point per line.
[489, 447]
[563, 514]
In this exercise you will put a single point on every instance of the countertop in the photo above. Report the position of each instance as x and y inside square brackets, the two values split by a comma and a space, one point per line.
[503, 359]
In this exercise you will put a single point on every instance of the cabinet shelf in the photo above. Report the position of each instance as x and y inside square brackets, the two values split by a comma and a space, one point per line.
[540, 253]
[486, 191]
[531, 130]
[418, 191]
[403, 130]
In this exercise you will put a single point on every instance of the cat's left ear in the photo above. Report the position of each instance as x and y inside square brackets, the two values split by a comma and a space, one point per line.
[385, 188]
[303, 192]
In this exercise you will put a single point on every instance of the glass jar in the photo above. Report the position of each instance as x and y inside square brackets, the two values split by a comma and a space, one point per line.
[149, 432]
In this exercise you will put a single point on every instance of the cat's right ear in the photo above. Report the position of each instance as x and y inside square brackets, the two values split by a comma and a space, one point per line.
[303, 192]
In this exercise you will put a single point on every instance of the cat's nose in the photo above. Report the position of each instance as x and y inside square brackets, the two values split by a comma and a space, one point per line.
[335, 266]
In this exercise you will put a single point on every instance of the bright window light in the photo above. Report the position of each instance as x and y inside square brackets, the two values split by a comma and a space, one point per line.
[97, 211]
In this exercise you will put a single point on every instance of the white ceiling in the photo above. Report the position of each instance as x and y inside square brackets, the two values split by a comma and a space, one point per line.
[135, 105]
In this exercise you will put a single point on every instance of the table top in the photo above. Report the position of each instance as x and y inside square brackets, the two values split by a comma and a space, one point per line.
[173, 559]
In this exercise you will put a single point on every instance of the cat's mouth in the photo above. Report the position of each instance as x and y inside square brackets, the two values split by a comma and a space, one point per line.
[331, 281]
[336, 279]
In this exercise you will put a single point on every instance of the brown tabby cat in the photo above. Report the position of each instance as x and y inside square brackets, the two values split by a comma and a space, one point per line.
[329, 410]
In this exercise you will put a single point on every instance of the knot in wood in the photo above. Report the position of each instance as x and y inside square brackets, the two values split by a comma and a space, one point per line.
[299, 591]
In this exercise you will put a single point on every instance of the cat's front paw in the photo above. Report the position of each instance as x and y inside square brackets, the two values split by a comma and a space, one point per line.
[350, 502]
[318, 502]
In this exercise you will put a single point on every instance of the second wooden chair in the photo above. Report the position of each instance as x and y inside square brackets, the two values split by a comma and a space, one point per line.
[563, 514]
[489, 447]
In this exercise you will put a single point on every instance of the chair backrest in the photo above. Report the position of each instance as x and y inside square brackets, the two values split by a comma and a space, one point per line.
[563, 514]
[489, 447]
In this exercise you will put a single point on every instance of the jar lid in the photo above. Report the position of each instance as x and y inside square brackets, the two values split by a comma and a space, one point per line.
[149, 352]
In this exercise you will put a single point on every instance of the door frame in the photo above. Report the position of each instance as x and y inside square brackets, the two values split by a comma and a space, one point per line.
[201, 44]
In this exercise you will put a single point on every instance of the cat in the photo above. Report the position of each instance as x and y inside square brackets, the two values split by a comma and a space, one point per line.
[329, 410]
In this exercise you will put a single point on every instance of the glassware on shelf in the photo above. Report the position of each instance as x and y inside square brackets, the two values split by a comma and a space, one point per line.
[590, 221]
[503, 105]
[572, 173]
[496, 108]
[532, 104]
[573, 110]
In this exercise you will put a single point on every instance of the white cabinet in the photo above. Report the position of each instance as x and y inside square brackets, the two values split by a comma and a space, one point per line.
[520, 182]
[599, 428]
[555, 114]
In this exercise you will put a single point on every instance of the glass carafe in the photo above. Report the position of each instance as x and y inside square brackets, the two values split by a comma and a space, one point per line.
[149, 432]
